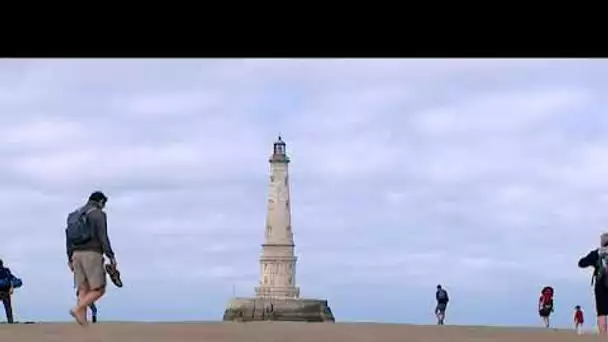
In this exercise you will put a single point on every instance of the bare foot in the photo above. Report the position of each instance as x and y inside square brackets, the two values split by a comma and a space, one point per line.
[79, 319]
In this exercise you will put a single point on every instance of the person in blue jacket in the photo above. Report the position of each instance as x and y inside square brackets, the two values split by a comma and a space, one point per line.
[442, 303]
[6, 291]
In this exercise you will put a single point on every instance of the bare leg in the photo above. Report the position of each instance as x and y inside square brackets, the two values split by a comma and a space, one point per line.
[89, 298]
[80, 314]
[601, 325]
[440, 317]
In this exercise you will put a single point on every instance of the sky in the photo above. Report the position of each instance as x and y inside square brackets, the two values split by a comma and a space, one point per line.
[487, 176]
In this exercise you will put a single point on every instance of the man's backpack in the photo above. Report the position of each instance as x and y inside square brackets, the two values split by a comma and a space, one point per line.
[78, 230]
[16, 282]
[442, 295]
[601, 274]
[8, 280]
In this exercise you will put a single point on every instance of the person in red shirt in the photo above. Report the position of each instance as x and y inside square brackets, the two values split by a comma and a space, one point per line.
[545, 304]
[578, 319]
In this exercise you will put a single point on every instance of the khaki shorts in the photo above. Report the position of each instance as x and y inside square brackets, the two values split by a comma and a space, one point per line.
[89, 271]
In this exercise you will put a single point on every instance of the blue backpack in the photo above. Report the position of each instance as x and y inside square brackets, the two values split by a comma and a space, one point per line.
[7, 279]
[442, 296]
[78, 229]
[16, 282]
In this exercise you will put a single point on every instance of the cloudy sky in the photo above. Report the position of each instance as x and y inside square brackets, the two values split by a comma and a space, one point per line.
[487, 176]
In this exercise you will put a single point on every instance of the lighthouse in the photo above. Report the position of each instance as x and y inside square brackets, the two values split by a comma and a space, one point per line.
[277, 297]
[278, 260]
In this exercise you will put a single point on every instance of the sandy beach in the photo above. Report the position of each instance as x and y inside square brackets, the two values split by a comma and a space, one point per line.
[275, 332]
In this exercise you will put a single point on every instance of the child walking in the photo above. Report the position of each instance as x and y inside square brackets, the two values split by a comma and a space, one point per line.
[578, 319]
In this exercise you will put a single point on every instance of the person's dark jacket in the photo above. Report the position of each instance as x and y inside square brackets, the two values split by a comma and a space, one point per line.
[591, 260]
[442, 300]
[5, 274]
[100, 242]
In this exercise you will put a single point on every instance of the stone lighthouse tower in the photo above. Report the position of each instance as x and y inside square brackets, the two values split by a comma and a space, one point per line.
[278, 262]
[277, 297]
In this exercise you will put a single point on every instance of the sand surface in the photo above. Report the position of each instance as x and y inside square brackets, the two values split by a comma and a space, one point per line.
[275, 332]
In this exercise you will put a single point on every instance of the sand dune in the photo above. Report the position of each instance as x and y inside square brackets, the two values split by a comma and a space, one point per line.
[276, 332]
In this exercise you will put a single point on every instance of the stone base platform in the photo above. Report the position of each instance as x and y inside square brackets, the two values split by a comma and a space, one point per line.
[292, 310]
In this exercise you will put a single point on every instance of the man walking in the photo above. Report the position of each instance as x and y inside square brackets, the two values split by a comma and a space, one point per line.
[442, 303]
[598, 259]
[86, 242]
[6, 291]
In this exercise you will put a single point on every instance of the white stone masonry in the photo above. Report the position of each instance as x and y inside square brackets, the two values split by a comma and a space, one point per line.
[278, 262]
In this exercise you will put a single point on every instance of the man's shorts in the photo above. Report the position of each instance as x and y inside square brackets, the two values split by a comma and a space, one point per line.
[89, 271]
[440, 309]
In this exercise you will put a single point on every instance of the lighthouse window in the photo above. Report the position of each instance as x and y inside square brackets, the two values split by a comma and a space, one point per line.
[288, 228]
[287, 203]
[290, 266]
[269, 228]
[290, 281]
[272, 178]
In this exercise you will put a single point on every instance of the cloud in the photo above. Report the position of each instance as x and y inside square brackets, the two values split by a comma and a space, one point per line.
[492, 113]
[487, 176]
